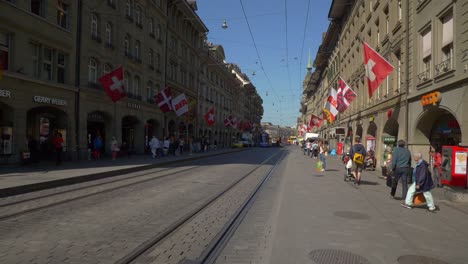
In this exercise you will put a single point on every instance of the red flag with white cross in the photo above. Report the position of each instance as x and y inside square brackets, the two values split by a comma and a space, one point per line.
[164, 100]
[229, 122]
[376, 68]
[210, 117]
[113, 84]
[315, 121]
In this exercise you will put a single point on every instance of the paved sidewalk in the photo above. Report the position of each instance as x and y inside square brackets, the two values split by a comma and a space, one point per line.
[305, 216]
[44, 175]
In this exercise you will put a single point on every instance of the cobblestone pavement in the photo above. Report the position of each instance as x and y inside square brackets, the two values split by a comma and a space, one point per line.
[105, 227]
[304, 216]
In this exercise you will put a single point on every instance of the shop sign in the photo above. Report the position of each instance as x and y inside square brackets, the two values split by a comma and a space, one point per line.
[48, 100]
[95, 117]
[388, 140]
[431, 99]
[5, 93]
[133, 105]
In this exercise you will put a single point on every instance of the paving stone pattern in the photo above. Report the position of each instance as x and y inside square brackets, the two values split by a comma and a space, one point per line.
[108, 226]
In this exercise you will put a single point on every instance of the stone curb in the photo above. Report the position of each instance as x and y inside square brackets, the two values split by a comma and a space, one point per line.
[17, 190]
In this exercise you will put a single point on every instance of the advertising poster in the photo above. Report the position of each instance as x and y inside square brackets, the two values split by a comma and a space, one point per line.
[460, 162]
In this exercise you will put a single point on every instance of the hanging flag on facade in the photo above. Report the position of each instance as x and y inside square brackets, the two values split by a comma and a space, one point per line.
[164, 100]
[376, 68]
[330, 111]
[210, 117]
[228, 122]
[345, 95]
[180, 105]
[113, 84]
[315, 121]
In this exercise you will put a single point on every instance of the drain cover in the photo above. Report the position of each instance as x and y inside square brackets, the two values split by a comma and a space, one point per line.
[335, 256]
[352, 215]
[414, 259]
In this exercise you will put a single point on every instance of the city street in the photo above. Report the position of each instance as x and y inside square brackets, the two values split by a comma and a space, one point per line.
[301, 216]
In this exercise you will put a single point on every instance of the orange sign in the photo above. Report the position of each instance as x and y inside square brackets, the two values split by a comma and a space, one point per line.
[431, 99]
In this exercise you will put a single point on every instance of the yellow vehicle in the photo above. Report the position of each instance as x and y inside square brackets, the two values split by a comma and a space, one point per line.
[292, 139]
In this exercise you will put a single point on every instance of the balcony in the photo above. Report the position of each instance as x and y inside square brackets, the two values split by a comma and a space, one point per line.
[424, 76]
[444, 67]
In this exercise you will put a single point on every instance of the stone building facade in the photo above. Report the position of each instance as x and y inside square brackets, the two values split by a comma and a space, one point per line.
[422, 101]
[56, 52]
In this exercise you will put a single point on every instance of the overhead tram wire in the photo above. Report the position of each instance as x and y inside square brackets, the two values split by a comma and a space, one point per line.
[287, 46]
[256, 49]
[303, 39]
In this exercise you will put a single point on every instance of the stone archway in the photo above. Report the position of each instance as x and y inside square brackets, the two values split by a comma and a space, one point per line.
[131, 134]
[98, 123]
[42, 122]
[371, 135]
[7, 129]
[437, 126]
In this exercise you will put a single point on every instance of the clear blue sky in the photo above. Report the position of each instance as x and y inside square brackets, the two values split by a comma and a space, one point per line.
[267, 19]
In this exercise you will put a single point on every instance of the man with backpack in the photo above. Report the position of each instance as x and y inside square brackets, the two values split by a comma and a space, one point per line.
[357, 154]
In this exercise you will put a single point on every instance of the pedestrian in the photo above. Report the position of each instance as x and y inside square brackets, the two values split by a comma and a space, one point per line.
[33, 149]
[114, 148]
[58, 144]
[181, 146]
[357, 153]
[166, 146]
[422, 182]
[97, 147]
[90, 146]
[308, 147]
[154, 144]
[401, 163]
[322, 150]
[215, 144]
[303, 146]
[315, 149]
[436, 166]
[387, 161]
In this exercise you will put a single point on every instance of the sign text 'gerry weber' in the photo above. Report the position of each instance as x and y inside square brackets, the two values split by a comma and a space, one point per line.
[48, 100]
[5, 93]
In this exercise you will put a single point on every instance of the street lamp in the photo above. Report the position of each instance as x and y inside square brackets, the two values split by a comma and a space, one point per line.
[224, 26]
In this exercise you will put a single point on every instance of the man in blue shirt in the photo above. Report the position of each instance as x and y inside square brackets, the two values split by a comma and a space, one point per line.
[401, 163]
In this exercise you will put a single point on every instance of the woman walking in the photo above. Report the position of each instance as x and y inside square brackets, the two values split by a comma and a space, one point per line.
[322, 151]
[114, 148]
[58, 144]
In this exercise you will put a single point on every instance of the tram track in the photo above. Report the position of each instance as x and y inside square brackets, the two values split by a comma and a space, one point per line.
[197, 217]
[29, 205]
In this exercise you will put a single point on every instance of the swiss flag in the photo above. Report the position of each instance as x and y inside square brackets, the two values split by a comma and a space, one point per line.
[315, 121]
[377, 68]
[113, 84]
[164, 100]
[228, 122]
[210, 117]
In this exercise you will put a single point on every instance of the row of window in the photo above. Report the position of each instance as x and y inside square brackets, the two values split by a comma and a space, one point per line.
[132, 85]
[39, 7]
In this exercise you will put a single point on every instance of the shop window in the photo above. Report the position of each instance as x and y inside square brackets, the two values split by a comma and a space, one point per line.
[61, 68]
[92, 70]
[4, 50]
[37, 7]
[62, 14]
[47, 64]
